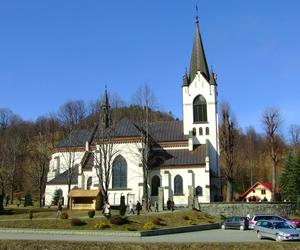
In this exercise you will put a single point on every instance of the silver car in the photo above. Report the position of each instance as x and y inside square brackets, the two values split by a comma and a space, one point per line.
[276, 229]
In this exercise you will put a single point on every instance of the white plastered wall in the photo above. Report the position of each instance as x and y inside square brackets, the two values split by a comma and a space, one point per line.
[200, 86]
[191, 177]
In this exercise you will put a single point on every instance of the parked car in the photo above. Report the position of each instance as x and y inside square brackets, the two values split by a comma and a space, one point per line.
[295, 222]
[276, 229]
[257, 217]
[236, 222]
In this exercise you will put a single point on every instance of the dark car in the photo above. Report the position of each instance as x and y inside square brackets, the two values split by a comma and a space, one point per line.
[236, 222]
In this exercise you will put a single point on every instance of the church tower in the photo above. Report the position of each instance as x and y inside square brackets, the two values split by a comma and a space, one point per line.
[199, 92]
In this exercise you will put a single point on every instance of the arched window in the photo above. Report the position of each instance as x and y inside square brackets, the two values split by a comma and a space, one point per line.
[199, 191]
[200, 109]
[155, 184]
[119, 173]
[194, 131]
[200, 131]
[207, 130]
[178, 185]
[89, 183]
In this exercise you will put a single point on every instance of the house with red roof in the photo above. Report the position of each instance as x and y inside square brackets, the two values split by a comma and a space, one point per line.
[259, 191]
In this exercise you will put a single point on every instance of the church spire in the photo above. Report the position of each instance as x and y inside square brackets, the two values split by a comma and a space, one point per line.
[198, 59]
[106, 110]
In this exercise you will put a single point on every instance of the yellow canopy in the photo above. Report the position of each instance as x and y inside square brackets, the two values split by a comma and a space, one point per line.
[83, 193]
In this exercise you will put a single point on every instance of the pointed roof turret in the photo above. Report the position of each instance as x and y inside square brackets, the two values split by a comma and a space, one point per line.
[106, 110]
[213, 78]
[186, 80]
[198, 59]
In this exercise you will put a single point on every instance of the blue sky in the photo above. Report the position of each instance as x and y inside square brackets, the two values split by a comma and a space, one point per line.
[54, 51]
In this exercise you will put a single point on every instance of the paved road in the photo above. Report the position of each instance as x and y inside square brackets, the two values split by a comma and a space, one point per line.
[216, 235]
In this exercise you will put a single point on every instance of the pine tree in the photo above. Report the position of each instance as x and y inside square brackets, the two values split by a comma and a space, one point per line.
[28, 200]
[290, 178]
[56, 197]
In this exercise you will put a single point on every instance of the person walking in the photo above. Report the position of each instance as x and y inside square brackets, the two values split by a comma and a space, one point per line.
[58, 210]
[169, 204]
[149, 209]
[106, 209]
[131, 210]
[138, 207]
[156, 206]
[172, 205]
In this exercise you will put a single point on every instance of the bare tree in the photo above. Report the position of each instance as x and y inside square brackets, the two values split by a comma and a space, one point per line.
[4, 174]
[228, 148]
[145, 100]
[15, 146]
[251, 152]
[295, 135]
[40, 156]
[271, 122]
[71, 115]
[106, 149]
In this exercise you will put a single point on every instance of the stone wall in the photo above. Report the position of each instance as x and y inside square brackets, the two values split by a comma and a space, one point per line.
[244, 208]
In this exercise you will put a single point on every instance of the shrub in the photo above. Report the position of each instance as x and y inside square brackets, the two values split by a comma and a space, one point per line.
[77, 222]
[122, 206]
[119, 220]
[101, 225]
[91, 213]
[30, 213]
[158, 221]
[64, 215]
[27, 199]
[131, 229]
[185, 217]
[191, 222]
[149, 226]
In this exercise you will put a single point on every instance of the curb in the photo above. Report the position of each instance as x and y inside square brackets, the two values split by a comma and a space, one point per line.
[185, 229]
[70, 232]
[114, 233]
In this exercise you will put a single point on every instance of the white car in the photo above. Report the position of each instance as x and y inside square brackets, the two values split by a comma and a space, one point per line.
[277, 230]
[257, 217]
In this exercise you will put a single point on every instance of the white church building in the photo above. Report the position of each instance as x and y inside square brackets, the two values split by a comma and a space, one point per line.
[186, 152]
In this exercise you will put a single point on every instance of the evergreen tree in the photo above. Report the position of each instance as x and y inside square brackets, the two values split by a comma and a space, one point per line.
[56, 197]
[28, 200]
[290, 178]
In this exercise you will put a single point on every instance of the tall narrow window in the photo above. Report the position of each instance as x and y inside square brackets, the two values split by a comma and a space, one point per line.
[155, 184]
[89, 183]
[119, 173]
[207, 130]
[178, 185]
[200, 109]
[200, 131]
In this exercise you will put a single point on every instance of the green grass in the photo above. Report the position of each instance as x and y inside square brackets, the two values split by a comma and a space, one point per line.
[56, 245]
[44, 219]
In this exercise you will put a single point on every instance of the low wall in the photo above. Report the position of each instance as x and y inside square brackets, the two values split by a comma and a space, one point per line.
[244, 208]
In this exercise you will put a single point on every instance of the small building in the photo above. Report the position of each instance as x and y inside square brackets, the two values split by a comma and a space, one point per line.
[83, 199]
[259, 191]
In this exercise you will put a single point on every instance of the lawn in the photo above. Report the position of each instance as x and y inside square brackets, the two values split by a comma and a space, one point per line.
[57, 245]
[45, 219]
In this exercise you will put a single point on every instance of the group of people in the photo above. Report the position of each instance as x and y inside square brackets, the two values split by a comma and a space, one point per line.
[138, 207]
[170, 205]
